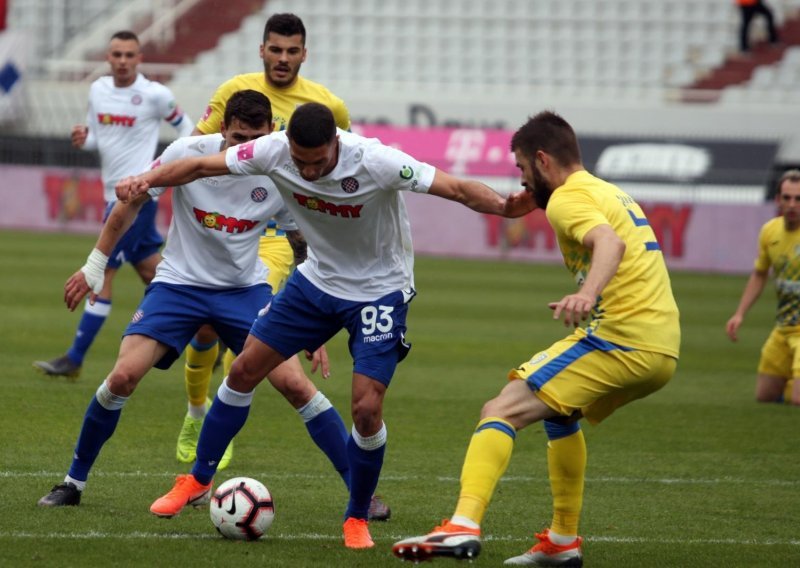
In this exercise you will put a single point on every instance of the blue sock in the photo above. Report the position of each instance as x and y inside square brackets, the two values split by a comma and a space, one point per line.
[222, 423]
[330, 435]
[93, 318]
[99, 424]
[366, 461]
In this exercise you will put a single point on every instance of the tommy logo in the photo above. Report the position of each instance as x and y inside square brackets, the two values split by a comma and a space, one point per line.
[109, 119]
[317, 204]
[350, 185]
[220, 222]
[245, 151]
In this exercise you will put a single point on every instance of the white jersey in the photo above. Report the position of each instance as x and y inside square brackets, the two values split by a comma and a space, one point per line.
[124, 123]
[354, 219]
[216, 223]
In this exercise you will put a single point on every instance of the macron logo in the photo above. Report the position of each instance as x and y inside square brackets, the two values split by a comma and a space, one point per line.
[245, 151]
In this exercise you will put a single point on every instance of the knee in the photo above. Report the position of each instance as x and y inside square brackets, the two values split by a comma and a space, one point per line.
[122, 382]
[367, 415]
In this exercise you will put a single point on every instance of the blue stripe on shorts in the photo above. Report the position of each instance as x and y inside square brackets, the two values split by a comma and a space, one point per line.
[584, 346]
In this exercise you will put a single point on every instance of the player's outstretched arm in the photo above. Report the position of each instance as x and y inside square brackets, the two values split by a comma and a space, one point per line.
[173, 174]
[479, 196]
[752, 291]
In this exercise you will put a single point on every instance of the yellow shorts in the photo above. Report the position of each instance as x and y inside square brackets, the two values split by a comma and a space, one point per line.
[780, 355]
[277, 254]
[592, 375]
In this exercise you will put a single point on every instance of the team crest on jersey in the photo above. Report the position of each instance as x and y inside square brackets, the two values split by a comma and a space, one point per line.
[259, 194]
[350, 185]
[136, 99]
[137, 316]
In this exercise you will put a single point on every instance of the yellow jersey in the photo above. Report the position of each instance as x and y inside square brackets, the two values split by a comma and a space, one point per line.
[284, 101]
[779, 250]
[636, 309]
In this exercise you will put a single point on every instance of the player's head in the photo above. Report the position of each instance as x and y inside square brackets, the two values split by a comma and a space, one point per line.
[124, 56]
[788, 198]
[545, 148]
[313, 142]
[283, 49]
[248, 115]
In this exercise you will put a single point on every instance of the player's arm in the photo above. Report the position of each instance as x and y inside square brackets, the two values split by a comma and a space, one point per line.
[752, 291]
[172, 174]
[90, 277]
[607, 252]
[299, 247]
[479, 196]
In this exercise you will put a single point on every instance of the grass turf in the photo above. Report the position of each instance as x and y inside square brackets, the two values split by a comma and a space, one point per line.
[695, 475]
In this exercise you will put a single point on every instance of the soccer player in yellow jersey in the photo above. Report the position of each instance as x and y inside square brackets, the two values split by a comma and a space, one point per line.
[626, 350]
[779, 250]
[283, 52]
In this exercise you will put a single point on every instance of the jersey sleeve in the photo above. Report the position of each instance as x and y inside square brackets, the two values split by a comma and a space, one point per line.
[174, 151]
[169, 110]
[211, 120]
[396, 170]
[763, 262]
[256, 157]
[340, 113]
[575, 216]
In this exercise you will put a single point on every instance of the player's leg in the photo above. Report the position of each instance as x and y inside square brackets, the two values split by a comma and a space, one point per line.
[90, 324]
[779, 360]
[323, 422]
[137, 355]
[201, 353]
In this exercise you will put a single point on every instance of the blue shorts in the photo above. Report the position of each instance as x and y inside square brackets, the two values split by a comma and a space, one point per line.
[302, 316]
[171, 314]
[139, 242]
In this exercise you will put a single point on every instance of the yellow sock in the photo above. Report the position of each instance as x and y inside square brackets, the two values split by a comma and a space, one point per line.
[566, 465]
[227, 361]
[197, 373]
[487, 459]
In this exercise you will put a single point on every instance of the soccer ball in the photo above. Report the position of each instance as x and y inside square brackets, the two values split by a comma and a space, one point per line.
[242, 509]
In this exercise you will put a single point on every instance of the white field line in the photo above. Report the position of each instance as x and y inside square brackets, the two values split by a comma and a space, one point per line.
[443, 479]
[96, 535]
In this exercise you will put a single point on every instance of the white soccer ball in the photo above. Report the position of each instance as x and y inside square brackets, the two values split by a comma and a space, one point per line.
[242, 509]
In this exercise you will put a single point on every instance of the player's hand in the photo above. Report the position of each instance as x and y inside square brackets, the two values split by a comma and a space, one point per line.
[319, 360]
[131, 187]
[76, 289]
[518, 204]
[79, 134]
[732, 327]
[576, 308]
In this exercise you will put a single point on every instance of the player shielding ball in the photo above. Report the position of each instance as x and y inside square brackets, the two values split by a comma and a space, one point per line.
[343, 190]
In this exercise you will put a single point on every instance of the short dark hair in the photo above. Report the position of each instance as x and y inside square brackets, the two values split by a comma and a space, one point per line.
[125, 35]
[249, 107]
[792, 175]
[551, 134]
[284, 24]
[312, 125]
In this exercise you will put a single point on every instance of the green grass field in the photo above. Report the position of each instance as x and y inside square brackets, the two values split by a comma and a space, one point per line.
[696, 475]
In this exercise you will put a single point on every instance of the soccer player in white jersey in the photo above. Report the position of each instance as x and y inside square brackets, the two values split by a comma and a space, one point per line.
[210, 274]
[343, 190]
[123, 121]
